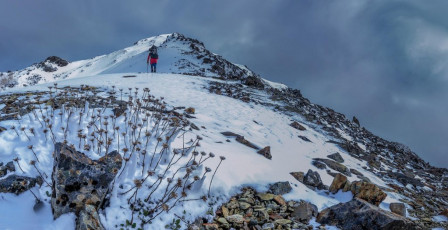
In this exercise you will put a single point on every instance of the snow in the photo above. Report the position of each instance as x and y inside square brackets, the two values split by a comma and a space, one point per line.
[243, 167]
[440, 218]
[259, 124]
[20, 208]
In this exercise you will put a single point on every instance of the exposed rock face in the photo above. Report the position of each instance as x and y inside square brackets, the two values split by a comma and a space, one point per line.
[18, 184]
[266, 152]
[4, 169]
[358, 214]
[81, 184]
[298, 126]
[254, 82]
[368, 192]
[261, 211]
[335, 166]
[339, 182]
[298, 176]
[313, 179]
[319, 164]
[57, 60]
[88, 219]
[304, 211]
[336, 157]
[280, 188]
[398, 208]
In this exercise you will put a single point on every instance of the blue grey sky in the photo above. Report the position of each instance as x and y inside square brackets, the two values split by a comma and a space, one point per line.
[383, 61]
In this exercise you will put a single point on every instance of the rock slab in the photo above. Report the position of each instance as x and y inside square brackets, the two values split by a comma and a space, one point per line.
[81, 184]
[359, 214]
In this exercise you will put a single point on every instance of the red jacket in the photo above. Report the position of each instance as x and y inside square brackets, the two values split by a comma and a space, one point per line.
[153, 60]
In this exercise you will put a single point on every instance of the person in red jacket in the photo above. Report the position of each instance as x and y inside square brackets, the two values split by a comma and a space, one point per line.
[152, 58]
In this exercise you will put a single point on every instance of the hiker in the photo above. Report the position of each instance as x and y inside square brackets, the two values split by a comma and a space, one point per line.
[152, 58]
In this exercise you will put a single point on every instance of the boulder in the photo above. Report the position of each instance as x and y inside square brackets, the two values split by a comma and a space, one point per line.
[356, 172]
[336, 157]
[339, 182]
[18, 184]
[304, 212]
[298, 126]
[298, 176]
[253, 81]
[313, 179]
[305, 138]
[81, 184]
[335, 166]
[368, 192]
[266, 152]
[359, 214]
[319, 164]
[280, 188]
[398, 208]
[89, 219]
[5, 168]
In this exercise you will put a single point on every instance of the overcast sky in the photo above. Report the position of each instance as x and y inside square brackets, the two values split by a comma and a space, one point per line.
[385, 62]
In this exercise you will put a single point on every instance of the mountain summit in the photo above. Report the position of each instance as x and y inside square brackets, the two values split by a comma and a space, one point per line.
[204, 144]
[180, 55]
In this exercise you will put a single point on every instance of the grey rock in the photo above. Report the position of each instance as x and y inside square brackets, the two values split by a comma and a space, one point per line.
[359, 214]
[398, 208]
[304, 211]
[89, 219]
[5, 168]
[336, 157]
[81, 184]
[268, 226]
[335, 166]
[305, 138]
[298, 175]
[313, 179]
[297, 125]
[280, 188]
[18, 184]
[319, 164]
[266, 152]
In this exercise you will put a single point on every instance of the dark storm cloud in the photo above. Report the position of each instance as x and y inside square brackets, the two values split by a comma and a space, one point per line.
[382, 61]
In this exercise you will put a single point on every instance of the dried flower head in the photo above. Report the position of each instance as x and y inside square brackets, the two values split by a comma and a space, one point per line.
[138, 183]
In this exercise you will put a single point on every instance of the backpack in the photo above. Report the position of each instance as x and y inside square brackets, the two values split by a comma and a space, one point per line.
[153, 49]
[154, 55]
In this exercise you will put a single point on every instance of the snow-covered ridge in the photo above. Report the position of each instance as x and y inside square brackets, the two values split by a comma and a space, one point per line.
[178, 54]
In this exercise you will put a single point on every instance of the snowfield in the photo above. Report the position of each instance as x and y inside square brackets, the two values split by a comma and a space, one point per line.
[263, 125]
[243, 166]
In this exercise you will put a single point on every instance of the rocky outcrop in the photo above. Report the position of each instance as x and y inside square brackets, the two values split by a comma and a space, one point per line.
[253, 210]
[360, 189]
[18, 184]
[266, 152]
[368, 192]
[359, 214]
[298, 126]
[339, 182]
[298, 176]
[335, 166]
[398, 208]
[81, 184]
[313, 179]
[336, 157]
[4, 169]
[280, 188]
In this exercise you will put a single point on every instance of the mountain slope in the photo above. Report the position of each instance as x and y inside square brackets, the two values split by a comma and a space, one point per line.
[226, 98]
[178, 53]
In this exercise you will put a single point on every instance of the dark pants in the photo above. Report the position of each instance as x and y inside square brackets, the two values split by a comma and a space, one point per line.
[153, 67]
